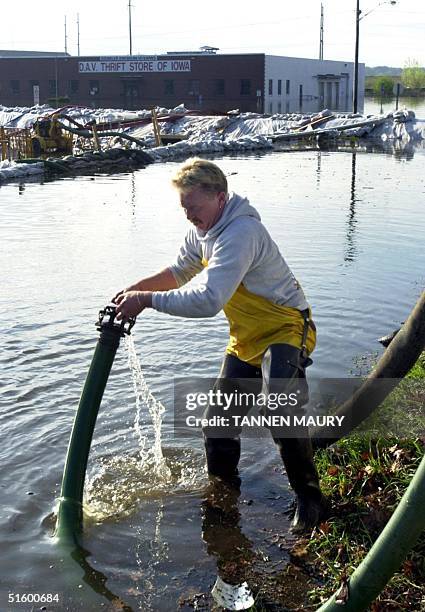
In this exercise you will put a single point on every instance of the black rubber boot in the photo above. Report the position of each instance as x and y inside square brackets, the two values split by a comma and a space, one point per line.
[284, 366]
[309, 512]
[223, 456]
[312, 507]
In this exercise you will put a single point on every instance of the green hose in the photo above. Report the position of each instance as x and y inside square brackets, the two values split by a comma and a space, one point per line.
[70, 515]
[388, 552]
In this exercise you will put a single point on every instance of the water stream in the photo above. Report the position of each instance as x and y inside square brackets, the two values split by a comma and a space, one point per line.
[151, 454]
[118, 482]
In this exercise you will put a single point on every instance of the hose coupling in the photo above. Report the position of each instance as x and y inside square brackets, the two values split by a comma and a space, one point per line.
[107, 322]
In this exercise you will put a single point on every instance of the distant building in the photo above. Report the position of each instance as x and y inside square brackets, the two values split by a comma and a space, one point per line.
[14, 54]
[201, 80]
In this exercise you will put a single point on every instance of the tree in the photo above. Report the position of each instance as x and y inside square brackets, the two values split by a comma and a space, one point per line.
[413, 76]
[383, 85]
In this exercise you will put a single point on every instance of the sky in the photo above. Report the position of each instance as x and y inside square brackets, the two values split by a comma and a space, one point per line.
[389, 35]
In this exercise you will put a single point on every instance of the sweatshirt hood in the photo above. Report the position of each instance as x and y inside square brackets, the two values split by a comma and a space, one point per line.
[236, 206]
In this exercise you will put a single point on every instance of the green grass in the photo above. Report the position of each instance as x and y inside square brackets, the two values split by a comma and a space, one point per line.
[402, 414]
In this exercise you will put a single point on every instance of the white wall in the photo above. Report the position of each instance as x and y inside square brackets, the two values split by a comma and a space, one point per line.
[336, 93]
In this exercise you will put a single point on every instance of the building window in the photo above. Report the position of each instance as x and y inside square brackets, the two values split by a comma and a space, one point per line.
[279, 87]
[193, 88]
[219, 87]
[94, 88]
[329, 94]
[245, 87]
[270, 87]
[52, 87]
[301, 97]
[279, 107]
[73, 86]
[15, 86]
[169, 87]
[271, 108]
[321, 94]
[336, 95]
[131, 89]
[288, 86]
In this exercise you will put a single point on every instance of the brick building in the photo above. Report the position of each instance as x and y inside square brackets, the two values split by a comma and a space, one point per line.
[202, 80]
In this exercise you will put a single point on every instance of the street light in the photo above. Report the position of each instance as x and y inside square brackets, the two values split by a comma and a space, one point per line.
[359, 16]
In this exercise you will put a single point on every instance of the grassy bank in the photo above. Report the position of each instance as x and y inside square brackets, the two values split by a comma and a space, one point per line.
[365, 477]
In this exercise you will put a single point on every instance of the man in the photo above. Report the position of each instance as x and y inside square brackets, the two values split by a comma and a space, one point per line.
[271, 332]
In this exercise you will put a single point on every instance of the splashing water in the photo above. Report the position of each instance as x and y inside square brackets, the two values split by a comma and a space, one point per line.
[151, 455]
[118, 482]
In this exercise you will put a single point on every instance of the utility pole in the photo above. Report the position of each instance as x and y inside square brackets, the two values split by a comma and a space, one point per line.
[356, 58]
[129, 26]
[66, 38]
[56, 82]
[78, 33]
[359, 16]
[321, 32]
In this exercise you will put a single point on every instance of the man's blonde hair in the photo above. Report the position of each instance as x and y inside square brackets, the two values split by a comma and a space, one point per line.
[196, 172]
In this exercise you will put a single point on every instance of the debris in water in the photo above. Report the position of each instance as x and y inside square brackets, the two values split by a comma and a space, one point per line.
[231, 596]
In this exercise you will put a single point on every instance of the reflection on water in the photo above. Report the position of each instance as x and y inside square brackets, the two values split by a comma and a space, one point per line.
[96, 581]
[156, 550]
[372, 105]
[350, 252]
[400, 149]
[222, 532]
[351, 226]
[133, 193]
[319, 168]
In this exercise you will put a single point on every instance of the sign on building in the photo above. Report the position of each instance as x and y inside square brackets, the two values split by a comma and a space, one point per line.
[134, 65]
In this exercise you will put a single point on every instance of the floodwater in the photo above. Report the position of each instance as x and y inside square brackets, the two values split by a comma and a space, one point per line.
[352, 228]
[372, 105]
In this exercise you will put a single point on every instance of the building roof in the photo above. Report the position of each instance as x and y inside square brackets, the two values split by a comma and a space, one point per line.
[13, 53]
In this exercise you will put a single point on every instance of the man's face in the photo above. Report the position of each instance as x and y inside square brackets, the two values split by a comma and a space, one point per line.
[203, 208]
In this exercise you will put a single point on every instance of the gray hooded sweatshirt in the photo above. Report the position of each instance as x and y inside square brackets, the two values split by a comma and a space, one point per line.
[237, 249]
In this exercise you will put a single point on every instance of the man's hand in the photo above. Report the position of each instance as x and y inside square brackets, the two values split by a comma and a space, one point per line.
[131, 303]
[127, 290]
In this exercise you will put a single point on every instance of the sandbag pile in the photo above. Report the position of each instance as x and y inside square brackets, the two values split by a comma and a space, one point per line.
[10, 170]
[114, 160]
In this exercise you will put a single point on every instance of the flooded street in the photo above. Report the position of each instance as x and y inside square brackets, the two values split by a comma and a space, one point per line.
[351, 226]
[372, 105]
